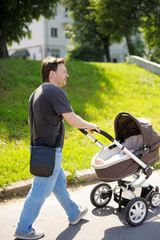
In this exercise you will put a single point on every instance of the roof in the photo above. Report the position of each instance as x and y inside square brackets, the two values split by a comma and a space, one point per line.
[20, 54]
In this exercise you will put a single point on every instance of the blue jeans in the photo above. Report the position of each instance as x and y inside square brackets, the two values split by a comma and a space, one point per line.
[42, 188]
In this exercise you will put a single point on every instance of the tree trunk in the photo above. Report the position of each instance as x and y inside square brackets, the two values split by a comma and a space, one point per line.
[3, 48]
[106, 42]
[129, 44]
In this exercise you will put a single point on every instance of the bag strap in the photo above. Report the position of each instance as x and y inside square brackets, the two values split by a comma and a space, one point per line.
[32, 120]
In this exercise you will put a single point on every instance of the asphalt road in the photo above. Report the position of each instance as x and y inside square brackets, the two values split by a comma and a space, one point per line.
[99, 224]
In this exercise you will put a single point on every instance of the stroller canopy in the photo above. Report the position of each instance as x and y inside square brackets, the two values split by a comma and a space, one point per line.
[126, 125]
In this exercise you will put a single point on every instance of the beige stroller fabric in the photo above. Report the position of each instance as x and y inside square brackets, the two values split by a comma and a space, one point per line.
[131, 143]
[136, 134]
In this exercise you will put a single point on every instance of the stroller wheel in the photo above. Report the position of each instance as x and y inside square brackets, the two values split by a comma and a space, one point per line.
[101, 195]
[155, 199]
[136, 211]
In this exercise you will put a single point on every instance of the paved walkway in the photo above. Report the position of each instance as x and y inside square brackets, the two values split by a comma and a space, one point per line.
[99, 224]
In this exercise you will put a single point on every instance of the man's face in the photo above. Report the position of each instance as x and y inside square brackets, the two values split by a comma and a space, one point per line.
[61, 75]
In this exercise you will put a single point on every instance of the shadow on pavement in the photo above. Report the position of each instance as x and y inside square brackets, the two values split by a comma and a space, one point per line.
[108, 210]
[146, 231]
[71, 231]
[149, 230]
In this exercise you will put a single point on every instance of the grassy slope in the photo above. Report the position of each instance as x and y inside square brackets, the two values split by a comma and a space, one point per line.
[97, 92]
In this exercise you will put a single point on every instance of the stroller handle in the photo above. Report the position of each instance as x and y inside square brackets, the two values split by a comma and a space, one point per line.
[105, 134]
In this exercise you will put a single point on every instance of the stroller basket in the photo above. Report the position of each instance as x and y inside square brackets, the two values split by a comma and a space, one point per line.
[118, 161]
[121, 165]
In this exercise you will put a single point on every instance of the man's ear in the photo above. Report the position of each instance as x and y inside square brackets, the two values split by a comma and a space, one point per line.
[52, 74]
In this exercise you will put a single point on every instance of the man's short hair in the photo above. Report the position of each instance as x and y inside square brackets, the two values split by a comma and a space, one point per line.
[48, 64]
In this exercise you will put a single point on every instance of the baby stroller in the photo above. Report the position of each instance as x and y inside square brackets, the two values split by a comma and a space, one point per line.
[120, 160]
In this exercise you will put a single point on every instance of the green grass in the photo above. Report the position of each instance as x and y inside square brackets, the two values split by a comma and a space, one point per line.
[97, 92]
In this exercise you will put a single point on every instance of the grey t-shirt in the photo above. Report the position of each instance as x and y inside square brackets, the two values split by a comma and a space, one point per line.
[49, 103]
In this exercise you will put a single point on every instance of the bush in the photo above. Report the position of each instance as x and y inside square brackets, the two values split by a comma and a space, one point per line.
[86, 53]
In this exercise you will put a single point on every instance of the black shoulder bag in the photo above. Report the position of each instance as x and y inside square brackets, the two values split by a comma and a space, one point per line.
[42, 158]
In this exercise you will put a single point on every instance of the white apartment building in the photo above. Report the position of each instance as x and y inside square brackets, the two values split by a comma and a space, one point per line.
[48, 38]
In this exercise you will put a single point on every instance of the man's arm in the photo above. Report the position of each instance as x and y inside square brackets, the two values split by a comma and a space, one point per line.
[77, 122]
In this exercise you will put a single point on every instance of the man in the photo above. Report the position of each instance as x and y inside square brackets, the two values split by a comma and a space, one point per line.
[50, 105]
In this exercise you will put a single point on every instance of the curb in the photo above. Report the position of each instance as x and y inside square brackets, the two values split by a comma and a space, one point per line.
[86, 175]
[21, 188]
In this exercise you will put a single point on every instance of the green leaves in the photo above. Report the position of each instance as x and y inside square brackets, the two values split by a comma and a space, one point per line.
[16, 15]
[102, 22]
[151, 29]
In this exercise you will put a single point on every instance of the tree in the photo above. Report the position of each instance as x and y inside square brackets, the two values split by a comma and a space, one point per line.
[86, 31]
[151, 28]
[15, 17]
[105, 22]
[118, 18]
[87, 43]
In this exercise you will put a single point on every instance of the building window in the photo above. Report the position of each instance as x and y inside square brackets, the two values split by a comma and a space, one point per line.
[55, 11]
[55, 53]
[29, 34]
[67, 33]
[66, 12]
[54, 32]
